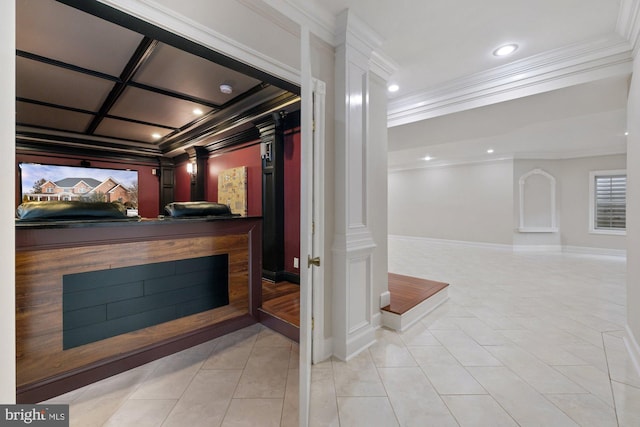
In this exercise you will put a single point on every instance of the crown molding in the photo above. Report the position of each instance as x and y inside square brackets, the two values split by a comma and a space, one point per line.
[317, 20]
[575, 64]
[165, 18]
[353, 31]
[382, 65]
[613, 150]
[628, 25]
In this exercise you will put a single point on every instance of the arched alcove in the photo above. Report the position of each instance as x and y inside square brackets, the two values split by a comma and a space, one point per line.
[537, 202]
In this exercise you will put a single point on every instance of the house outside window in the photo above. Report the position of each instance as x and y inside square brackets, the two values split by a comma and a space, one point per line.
[608, 202]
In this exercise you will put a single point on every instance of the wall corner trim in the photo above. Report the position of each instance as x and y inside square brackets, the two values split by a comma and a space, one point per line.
[633, 348]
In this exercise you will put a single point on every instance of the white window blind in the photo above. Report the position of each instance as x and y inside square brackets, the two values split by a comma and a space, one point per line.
[610, 202]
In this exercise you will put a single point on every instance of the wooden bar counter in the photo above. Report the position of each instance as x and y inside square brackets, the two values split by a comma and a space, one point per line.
[49, 252]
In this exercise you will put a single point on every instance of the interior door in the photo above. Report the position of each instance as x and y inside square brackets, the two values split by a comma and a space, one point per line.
[306, 225]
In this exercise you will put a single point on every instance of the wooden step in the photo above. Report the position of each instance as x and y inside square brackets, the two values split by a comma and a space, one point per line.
[411, 299]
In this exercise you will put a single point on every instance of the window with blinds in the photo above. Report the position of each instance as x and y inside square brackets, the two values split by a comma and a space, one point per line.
[610, 202]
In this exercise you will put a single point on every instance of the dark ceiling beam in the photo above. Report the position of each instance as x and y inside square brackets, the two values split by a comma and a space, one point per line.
[138, 58]
[135, 24]
[56, 63]
[175, 94]
[67, 145]
[213, 114]
[50, 105]
[235, 118]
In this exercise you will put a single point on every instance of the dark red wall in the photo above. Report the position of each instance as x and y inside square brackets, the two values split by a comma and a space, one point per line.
[182, 187]
[148, 184]
[291, 200]
[248, 156]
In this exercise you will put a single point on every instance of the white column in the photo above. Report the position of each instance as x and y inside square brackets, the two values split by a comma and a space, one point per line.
[7, 223]
[633, 216]
[353, 249]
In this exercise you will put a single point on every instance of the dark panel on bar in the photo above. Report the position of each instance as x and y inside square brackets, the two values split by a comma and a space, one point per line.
[105, 303]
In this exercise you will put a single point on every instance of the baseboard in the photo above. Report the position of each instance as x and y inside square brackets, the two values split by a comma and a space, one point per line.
[632, 348]
[285, 328]
[452, 242]
[281, 276]
[401, 322]
[325, 350]
[538, 248]
[68, 381]
[584, 250]
[356, 342]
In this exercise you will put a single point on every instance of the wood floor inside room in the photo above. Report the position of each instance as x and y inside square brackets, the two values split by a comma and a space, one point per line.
[282, 300]
[407, 292]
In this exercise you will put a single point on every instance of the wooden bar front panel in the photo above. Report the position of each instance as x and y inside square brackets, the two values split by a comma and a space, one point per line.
[39, 274]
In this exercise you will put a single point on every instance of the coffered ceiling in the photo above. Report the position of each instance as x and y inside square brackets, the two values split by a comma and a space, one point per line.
[82, 76]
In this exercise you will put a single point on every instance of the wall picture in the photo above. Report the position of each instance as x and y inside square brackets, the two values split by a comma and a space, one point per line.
[232, 189]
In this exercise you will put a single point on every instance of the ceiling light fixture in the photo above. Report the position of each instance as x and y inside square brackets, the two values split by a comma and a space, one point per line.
[427, 158]
[505, 50]
[156, 136]
[226, 89]
[626, 133]
[393, 88]
[490, 151]
[197, 111]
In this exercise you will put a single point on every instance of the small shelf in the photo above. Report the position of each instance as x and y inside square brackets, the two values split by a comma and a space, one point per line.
[538, 229]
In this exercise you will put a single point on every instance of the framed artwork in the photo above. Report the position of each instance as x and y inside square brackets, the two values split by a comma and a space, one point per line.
[232, 189]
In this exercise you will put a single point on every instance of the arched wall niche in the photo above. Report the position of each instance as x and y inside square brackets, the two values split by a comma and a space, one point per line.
[537, 202]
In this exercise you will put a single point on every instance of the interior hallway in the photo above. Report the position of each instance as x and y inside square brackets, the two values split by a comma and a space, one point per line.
[524, 339]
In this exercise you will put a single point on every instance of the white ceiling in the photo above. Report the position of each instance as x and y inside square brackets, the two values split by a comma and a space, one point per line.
[434, 41]
[562, 94]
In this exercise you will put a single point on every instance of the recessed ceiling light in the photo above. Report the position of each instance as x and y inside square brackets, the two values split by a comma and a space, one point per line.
[156, 136]
[427, 158]
[197, 111]
[490, 150]
[505, 50]
[393, 88]
[226, 89]
[626, 133]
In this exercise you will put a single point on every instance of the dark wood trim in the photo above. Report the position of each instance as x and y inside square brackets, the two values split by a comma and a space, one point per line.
[237, 116]
[59, 384]
[281, 276]
[138, 25]
[53, 146]
[285, 328]
[167, 180]
[272, 134]
[73, 145]
[142, 52]
[288, 276]
[65, 65]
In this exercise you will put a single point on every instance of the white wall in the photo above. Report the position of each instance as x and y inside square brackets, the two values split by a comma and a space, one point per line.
[633, 204]
[7, 165]
[472, 202]
[242, 24]
[572, 200]
[377, 184]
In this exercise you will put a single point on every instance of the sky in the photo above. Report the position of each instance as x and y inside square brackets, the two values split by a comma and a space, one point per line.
[31, 172]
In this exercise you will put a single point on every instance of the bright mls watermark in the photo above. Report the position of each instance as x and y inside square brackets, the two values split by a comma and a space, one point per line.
[34, 415]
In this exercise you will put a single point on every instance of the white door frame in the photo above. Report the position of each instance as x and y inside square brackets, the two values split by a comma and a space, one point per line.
[320, 349]
[306, 225]
[312, 122]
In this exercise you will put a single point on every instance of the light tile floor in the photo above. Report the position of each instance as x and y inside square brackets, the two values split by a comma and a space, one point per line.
[524, 340]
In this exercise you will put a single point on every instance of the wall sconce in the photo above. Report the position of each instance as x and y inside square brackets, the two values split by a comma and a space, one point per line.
[191, 169]
[265, 150]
